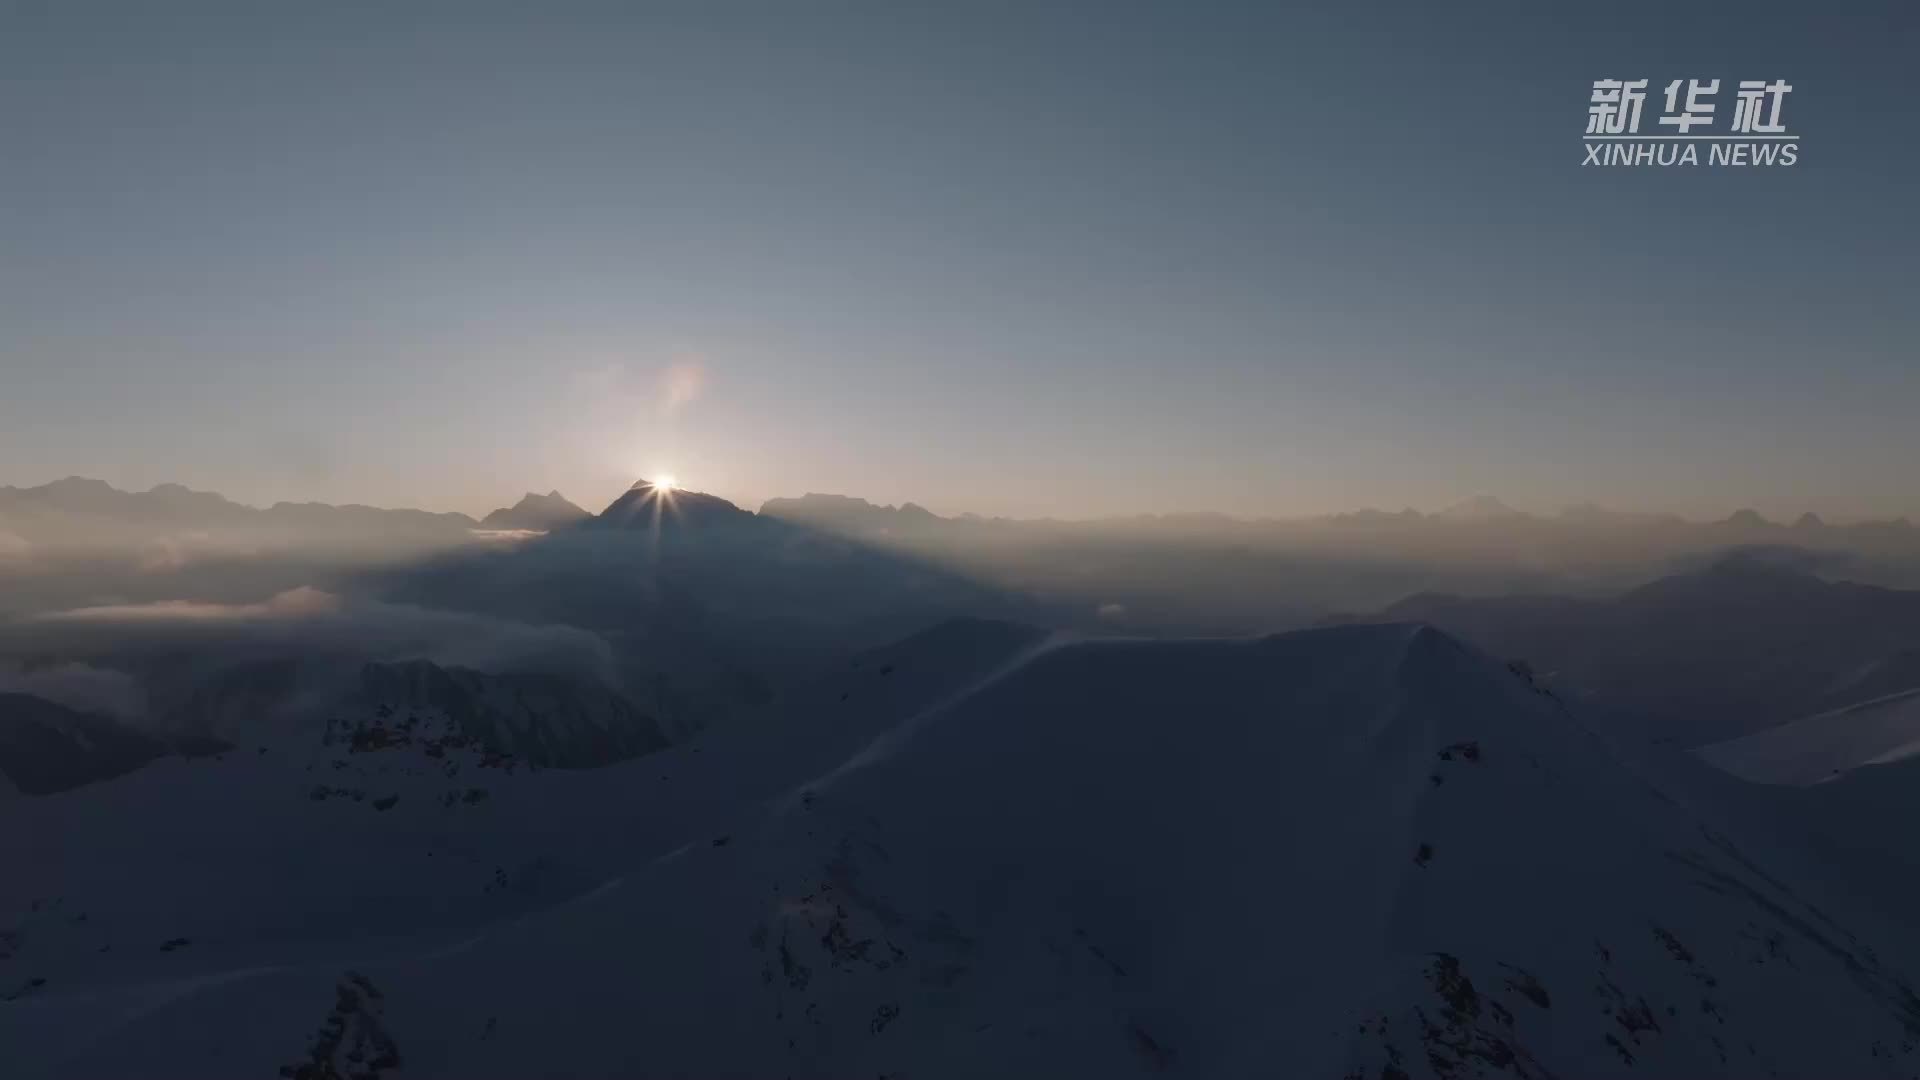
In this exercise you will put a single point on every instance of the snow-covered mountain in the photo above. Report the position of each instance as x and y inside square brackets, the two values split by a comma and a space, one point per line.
[712, 610]
[1824, 746]
[535, 717]
[538, 718]
[1753, 640]
[47, 747]
[1360, 851]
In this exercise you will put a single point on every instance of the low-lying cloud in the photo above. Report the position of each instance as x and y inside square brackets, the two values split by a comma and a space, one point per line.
[82, 687]
[292, 604]
[310, 620]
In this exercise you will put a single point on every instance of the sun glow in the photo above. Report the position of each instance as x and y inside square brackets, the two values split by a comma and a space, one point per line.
[664, 483]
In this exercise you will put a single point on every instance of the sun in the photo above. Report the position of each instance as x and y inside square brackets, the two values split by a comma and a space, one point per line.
[664, 482]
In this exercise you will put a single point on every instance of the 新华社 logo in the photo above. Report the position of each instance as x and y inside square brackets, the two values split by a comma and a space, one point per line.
[1688, 130]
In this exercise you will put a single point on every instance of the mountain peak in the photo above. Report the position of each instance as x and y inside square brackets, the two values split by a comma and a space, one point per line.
[79, 485]
[648, 503]
[76, 493]
[536, 512]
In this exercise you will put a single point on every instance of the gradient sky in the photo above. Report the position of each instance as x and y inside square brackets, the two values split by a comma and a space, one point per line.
[1009, 258]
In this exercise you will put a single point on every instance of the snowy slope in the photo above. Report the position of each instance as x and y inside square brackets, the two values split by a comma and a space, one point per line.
[1753, 640]
[47, 747]
[541, 718]
[1358, 851]
[1820, 748]
[298, 853]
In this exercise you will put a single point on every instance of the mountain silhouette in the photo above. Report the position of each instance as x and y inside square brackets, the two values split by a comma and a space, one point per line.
[539, 513]
[1754, 639]
[647, 505]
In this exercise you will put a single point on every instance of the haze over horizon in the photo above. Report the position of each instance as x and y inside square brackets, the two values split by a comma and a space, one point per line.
[1480, 506]
[1259, 262]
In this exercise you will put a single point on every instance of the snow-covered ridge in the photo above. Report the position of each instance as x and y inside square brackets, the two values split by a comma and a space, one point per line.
[294, 704]
[1357, 851]
[46, 747]
[1825, 746]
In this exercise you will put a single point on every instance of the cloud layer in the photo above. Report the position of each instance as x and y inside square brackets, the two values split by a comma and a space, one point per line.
[309, 620]
[79, 686]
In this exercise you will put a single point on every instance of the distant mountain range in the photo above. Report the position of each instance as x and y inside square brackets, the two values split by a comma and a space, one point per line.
[1753, 640]
[78, 514]
[846, 514]
[85, 511]
[824, 557]
[852, 514]
[718, 606]
[173, 506]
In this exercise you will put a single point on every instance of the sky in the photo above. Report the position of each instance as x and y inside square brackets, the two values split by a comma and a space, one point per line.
[1032, 259]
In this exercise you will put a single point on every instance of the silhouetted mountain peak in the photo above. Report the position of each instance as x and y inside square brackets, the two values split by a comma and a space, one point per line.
[80, 485]
[1746, 519]
[1750, 587]
[180, 497]
[646, 504]
[539, 512]
[76, 493]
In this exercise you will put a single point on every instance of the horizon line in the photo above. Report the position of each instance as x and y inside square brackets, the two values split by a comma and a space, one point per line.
[1566, 510]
